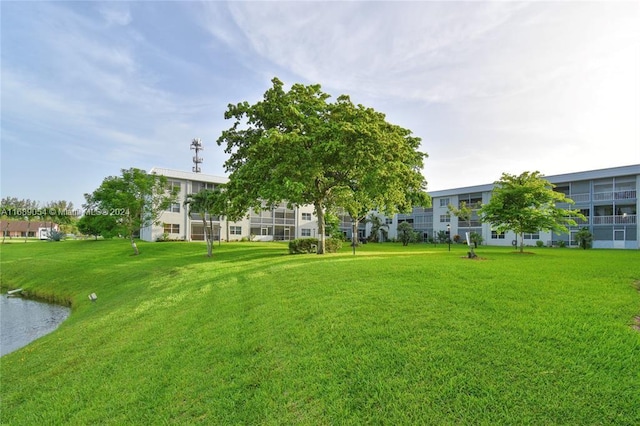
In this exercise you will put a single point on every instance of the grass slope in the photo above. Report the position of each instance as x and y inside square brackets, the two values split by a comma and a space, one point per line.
[394, 335]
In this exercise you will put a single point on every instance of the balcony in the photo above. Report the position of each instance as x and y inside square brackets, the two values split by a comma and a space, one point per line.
[625, 195]
[627, 219]
[615, 195]
[580, 198]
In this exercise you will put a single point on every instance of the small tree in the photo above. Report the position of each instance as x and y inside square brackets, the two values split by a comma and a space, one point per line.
[207, 203]
[476, 239]
[136, 200]
[405, 233]
[377, 227]
[584, 238]
[527, 204]
[464, 212]
[332, 225]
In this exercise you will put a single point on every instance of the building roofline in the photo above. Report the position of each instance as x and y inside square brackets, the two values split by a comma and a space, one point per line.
[633, 169]
[180, 174]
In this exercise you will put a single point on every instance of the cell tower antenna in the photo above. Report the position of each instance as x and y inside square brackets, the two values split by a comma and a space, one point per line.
[196, 145]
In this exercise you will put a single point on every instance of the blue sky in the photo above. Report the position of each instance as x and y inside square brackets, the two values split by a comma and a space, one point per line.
[89, 88]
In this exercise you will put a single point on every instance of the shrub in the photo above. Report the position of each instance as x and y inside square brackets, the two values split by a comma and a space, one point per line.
[310, 245]
[55, 235]
[303, 245]
[539, 243]
[584, 238]
[332, 245]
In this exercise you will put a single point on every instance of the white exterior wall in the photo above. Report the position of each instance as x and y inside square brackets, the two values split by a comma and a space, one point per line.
[305, 222]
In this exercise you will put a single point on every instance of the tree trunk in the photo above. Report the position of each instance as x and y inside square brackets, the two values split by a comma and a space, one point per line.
[26, 235]
[134, 246]
[210, 240]
[522, 242]
[207, 235]
[354, 234]
[320, 215]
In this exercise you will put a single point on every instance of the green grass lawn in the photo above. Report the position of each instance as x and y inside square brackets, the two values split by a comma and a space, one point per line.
[394, 335]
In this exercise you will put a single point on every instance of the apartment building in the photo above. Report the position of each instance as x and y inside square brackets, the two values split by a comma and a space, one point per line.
[176, 223]
[608, 198]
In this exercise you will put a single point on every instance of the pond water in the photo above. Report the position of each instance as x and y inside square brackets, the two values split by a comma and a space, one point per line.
[23, 321]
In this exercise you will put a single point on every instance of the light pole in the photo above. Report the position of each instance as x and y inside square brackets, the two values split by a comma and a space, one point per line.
[449, 235]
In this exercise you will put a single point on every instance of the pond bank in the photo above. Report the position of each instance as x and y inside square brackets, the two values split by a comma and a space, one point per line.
[24, 320]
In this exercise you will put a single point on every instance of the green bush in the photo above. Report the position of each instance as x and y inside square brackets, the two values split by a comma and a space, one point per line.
[55, 235]
[539, 243]
[303, 245]
[310, 245]
[332, 245]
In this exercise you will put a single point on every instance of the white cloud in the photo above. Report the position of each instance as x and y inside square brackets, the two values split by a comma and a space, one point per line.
[115, 13]
[488, 86]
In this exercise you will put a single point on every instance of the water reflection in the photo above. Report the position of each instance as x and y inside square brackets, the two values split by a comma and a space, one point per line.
[23, 321]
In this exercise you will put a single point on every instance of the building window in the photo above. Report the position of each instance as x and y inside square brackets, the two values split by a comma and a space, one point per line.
[388, 221]
[173, 184]
[445, 218]
[174, 208]
[235, 230]
[306, 216]
[172, 228]
[444, 202]
[497, 236]
[305, 232]
[535, 236]
[200, 186]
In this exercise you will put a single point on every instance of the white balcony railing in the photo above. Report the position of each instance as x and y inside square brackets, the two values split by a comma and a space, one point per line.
[615, 195]
[625, 195]
[580, 198]
[629, 219]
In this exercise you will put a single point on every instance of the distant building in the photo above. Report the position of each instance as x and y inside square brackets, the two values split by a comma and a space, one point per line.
[25, 229]
[608, 198]
[279, 224]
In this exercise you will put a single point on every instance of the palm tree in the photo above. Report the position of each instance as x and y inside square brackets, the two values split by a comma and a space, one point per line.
[376, 228]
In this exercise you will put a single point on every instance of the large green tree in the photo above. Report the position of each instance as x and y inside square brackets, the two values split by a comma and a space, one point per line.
[136, 200]
[298, 147]
[527, 204]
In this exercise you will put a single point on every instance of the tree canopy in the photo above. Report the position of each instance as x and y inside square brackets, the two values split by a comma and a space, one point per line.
[527, 204]
[136, 200]
[298, 147]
